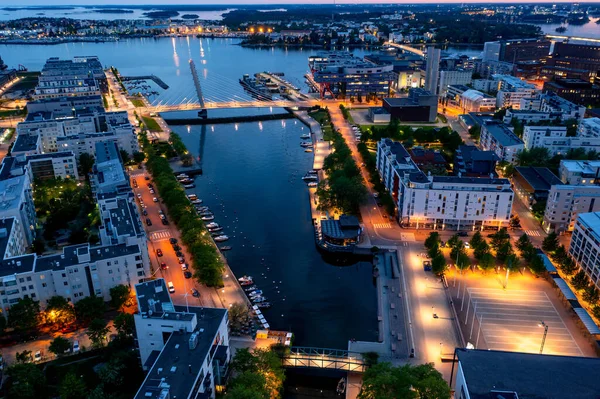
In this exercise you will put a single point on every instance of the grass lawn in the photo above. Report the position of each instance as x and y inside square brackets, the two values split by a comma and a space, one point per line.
[13, 112]
[151, 124]
[138, 102]
[322, 117]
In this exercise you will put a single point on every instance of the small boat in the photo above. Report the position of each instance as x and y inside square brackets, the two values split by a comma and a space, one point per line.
[196, 201]
[225, 248]
[264, 305]
[202, 208]
[312, 172]
[306, 144]
[220, 238]
[214, 229]
[258, 299]
[186, 181]
[308, 150]
[246, 283]
[191, 186]
[310, 178]
[212, 225]
[182, 175]
[255, 293]
[245, 279]
[206, 214]
[216, 234]
[313, 184]
[305, 136]
[250, 288]
[192, 197]
[206, 218]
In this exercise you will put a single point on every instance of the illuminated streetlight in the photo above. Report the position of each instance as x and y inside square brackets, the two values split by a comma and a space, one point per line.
[542, 324]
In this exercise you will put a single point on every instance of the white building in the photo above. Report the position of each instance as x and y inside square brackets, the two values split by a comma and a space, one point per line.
[538, 136]
[530, 116]
[453, 77]
[476, 101]
[82, 76]
[485, 85]
[442, 202]
[511, 90]
[589, 127]
[552, 102]
[562, 145]
[566, 202]
[185, 349]
[585, 245]
[16, 199]
[579, 172]
[52, 165]
[499, 138]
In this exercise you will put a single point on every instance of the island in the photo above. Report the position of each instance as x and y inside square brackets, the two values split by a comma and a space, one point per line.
[190, 16]
[161, 14]
[113, 11]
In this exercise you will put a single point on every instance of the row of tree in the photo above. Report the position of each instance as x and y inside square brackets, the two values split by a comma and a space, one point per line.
[344, 188]
[258, 374]
[206, 262]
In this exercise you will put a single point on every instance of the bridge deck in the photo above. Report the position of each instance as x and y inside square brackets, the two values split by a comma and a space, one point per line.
[325, 359]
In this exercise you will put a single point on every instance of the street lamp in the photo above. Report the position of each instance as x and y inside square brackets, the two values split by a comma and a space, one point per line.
[542, 324]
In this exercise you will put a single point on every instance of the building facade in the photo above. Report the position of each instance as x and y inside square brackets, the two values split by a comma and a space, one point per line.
[579, 172]
[585, 245]
[499, 138]
[566, 202]
[538, 136]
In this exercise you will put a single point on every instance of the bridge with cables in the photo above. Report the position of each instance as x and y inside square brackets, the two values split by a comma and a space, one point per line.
[218, 92]
[322, 358]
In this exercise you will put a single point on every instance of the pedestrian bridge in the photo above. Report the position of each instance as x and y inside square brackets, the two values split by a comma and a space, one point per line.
[322, 358]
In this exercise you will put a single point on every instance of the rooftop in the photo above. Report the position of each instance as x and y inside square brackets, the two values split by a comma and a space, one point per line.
[69, 255]
[539, 178]
[471, 180]
[502, 133]
[25, 143]
[345, 227]
[584, 167]
[528, 375]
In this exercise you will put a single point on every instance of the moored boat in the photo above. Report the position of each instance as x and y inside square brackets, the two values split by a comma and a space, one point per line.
[190, 186]
[264, 305]
[215, 229]
[207, 218]
[225, 248]
[212, 225]
[245, 279]
[220, 238]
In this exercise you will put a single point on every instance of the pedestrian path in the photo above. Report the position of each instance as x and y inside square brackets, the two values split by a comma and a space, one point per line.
[160, 235]
[382, 225]
[533, 233]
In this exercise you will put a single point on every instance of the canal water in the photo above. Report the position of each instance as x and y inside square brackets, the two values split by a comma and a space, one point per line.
[252, 182]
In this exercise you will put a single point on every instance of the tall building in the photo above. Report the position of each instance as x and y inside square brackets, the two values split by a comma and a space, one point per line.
[491, 51]
[579, 172]
[442, 202]
[185, 349]
[432, 69]
[589, 127]
[420, 106]
[566, 202]
[516, 50]
[574, 56]
[511, 90]
[81, 76]
[539, 136]
[585, 245]
[575, 90]
[453, 77]
[499, 138]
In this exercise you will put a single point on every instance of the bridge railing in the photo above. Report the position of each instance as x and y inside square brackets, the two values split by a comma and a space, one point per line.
[323, 358]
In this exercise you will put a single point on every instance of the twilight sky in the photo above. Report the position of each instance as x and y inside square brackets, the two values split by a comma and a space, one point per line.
[233, 2]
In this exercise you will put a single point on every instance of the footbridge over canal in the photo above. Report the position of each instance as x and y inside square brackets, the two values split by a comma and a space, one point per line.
[322, 358]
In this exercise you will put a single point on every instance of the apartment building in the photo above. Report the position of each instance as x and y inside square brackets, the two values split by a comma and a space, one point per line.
[539, 136]
[82, 76]
[585, 245]
[64, 106]
[530, 116]
[552, 102]
[566, 202]
[476, 101]
[579, 172]
[499, 138]
[442, 202]
[562, 145]
[185, 349]
[511, 90]
[453, 77]
[16, 199]
[589, 127]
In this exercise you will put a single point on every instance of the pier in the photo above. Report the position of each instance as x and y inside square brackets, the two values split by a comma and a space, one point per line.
[154, 78]
[230, 119]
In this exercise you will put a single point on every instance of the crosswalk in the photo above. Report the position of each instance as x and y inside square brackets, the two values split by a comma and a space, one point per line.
[382, 225]
[532, 233]
[160, 235]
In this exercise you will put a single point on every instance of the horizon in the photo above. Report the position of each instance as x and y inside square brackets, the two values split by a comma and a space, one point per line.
[50, 3]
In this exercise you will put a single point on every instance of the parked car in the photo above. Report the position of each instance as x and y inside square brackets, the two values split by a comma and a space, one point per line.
[176, 247]
[184, 267]
[181, 261]
[75, 346]
[164, 221]
[427, 265]
[173, 240]
[171, 287]
[148, 222]
[187, 274]
[179, 254]
[195, 293]
[159, 252]
[38, 356]
[139, 195]
[145, 212]
[463, 234]
[163, 266]
[154, 199]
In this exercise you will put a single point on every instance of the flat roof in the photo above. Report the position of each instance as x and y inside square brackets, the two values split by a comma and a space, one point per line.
[178, 364]
[541, 179]
[591, 220]
[502, 134]
[471, 180]
[529, 375]
[25, 142]
[335, 229]
[68, 256]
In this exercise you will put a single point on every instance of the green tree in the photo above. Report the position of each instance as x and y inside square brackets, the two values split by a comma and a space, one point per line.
[27, 382]
[560, 255]
[23, 357]
[596, 312]
[248, 385]
[383, 381]
[59, 311]
[454, 241]
[59, 345]
[514, 222]
[119, 294]
[432, 239]
[97, 331]
[487, 262]
[591, 294]
[504, 251]
[86, 163]
[24, 315]
[138, 157]
[499, 238]
[462, 261]
[476, 240]
[579, 280]
[523, 242]
[536, 156]
[125, 324]
[481, 249]
[434, 251]
[512, 262]
[568, 266]
[89, 308]
[550, 243]
[72, 387]
[438, 265]
[536, 265]
[238, 315]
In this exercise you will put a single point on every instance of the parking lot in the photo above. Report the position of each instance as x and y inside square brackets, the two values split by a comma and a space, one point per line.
[513, 320]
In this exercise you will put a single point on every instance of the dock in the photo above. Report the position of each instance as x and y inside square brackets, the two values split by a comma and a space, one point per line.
[154, 78]
[291, 91]
[193, 170]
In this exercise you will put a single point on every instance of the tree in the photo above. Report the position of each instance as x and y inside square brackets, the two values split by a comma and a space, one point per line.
[72, 387]
[523, 242]
[499, 238]
[596, 311]
[512, 262]
[434, 251]
[503, 251]
[125, 324]
[383, 381]
[454, 241]
[59, 346]
[86, 163]
[560, 255]
[536, 265]
[138, 157]
[579, 280]
[462, 261]
[568, 266]
[432, 239]
[27, 382]
[238, 315]
[438, 265]
[550, 243]
[476, 240]
[514, 222]
[591, 294]
[59, 311]
[89, 308]
[97, 331]
[23, 357]
[24, 314]
[487, 262]
[119, 295]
